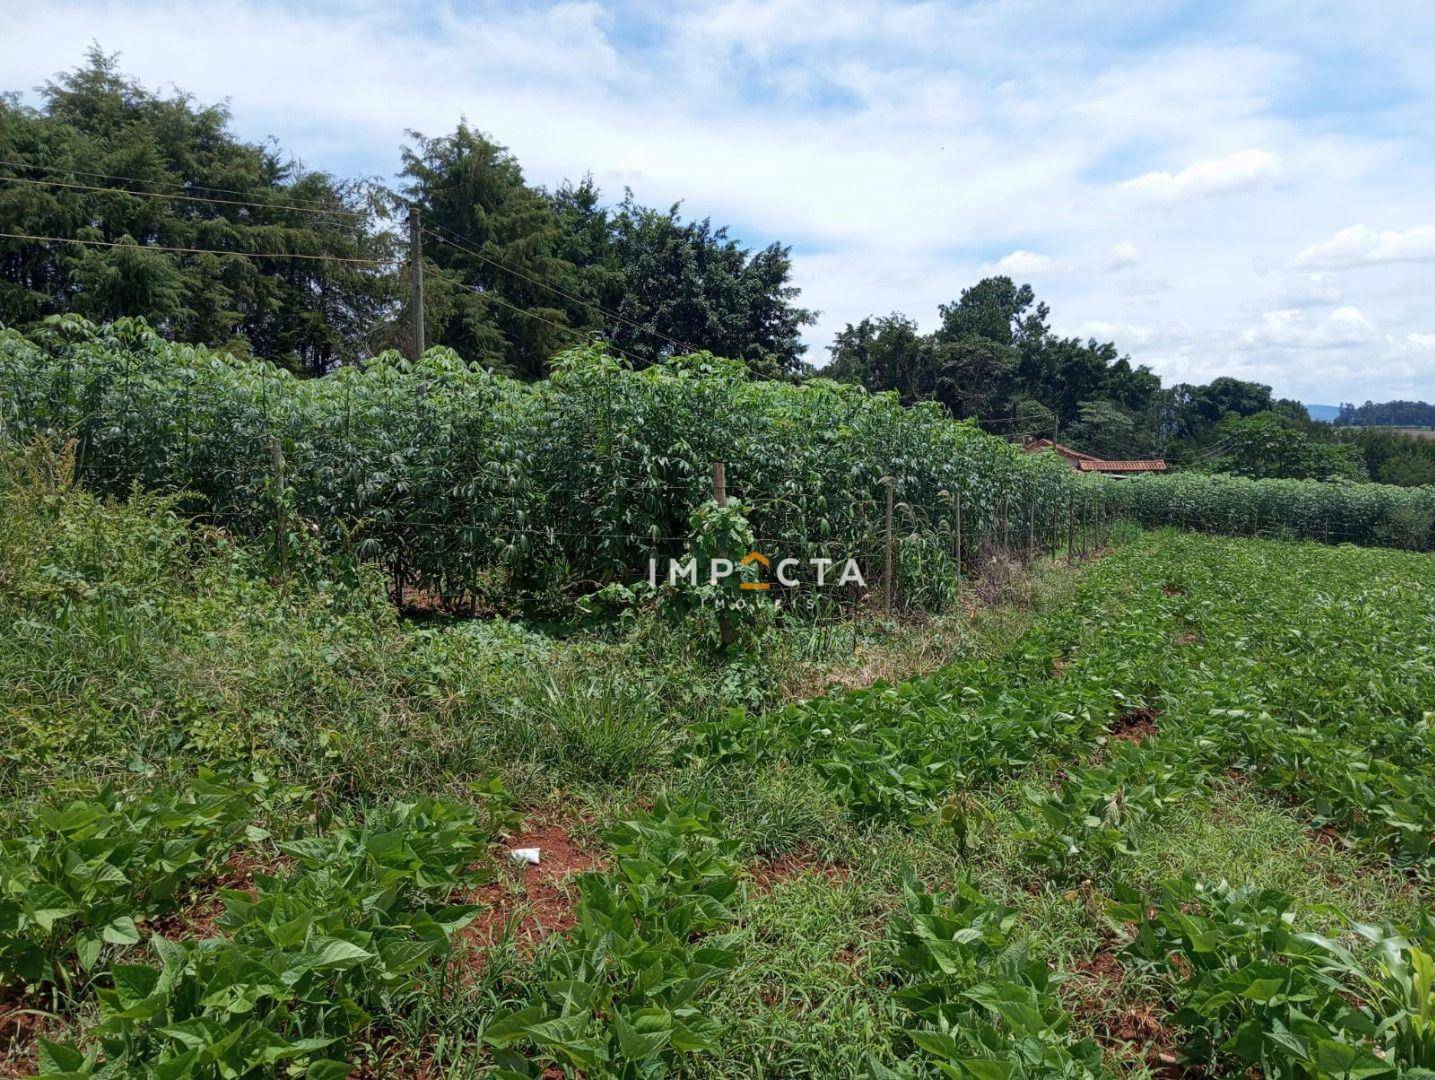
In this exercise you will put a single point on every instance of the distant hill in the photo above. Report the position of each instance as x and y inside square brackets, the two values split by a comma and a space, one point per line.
[1327, 413]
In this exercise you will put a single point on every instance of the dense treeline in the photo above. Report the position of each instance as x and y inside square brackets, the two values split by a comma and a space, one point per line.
[995, 359]
[94, 125]
[1387, 414]
[515, 272]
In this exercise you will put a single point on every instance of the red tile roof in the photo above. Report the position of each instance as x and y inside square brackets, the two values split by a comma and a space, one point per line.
[1099, 465]
[1061, 448]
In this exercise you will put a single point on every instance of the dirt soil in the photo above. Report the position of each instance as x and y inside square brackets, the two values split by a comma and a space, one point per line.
[536, 900]
[1135, 726]
[1132, 1027]
[20, 1027]
[803, 861]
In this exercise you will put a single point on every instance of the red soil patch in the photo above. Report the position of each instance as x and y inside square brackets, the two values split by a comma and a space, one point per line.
[1171, 590]
[1135, 726]
[1094, 984]
[21, 1025]
[200, 917]
[798, 863]
[536, 900]
[422, 603]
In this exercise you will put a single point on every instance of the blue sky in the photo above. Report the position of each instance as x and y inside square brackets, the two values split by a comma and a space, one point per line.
[1243, 189]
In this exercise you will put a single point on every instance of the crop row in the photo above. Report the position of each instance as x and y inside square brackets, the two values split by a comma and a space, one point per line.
[1303, 671]
[1332, 512]
[449, 473]
[1253, 991]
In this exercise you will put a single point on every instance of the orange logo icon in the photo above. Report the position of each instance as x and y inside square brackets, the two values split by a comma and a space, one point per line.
[755, 557]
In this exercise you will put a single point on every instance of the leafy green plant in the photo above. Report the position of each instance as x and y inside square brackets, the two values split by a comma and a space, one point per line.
[451, 476]
[1295, 1004]
[978, 1004]
[619, 996]
[306, 958]
[82, 879]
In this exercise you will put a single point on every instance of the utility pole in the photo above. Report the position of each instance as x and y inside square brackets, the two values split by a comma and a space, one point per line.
[416, 281]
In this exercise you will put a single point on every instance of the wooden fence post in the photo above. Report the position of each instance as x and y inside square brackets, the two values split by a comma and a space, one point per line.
[1071, 530]
[887, 583]
[281, 528]
[719, 483]
[957, 545]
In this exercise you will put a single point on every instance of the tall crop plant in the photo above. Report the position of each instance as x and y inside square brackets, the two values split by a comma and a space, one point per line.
[455, 476]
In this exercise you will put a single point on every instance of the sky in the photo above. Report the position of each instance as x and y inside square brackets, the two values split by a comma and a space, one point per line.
[1220, 189]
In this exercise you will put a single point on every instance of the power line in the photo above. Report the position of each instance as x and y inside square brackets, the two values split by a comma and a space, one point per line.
[183, 198]
[191, 250]
[556, 290]
[312, 207]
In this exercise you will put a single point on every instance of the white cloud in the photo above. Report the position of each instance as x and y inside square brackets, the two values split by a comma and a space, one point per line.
[1306, 290]
[896, 145]
[1421, 341]
[1127, 334]
[1291, 328]
[1022, 261]
[1123, 256]
[1360, 245]
[1241, 171]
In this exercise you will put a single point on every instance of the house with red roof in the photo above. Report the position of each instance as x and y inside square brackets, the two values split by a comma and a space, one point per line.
[1083, 462]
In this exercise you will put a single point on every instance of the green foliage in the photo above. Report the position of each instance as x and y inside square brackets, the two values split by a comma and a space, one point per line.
[994, 359]
[1273, 679]
[1270, 446]
[78, 880]
[1388, 414]
[460, 480]
[1395, 457]
[304, 961]
[299, 312]
[899, 752]
[1293, 1004]
[620, 996]
[979, 1005]
[668, 286]
[1296, 509]
[725, 613]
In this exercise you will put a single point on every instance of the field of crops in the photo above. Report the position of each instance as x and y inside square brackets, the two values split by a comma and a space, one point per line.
[1174, 807]
[485, 491]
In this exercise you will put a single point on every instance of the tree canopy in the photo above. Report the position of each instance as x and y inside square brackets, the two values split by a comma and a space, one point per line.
[994, 358]
[96, 125]
[514, 272]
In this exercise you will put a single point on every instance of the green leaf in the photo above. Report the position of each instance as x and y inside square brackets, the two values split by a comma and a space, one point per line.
[59, 1057]
[122, 931]
[336, 954]
[328, 1069]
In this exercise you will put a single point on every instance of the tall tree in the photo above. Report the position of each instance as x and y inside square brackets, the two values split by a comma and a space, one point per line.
[886, 353]
[672, 285]
[498, 287]
[98, 129]
[995, 358]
